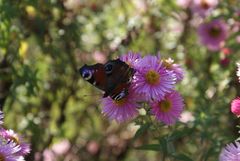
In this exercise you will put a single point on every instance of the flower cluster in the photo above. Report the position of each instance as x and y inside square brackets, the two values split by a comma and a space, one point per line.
[235, 104]
[153, 84]
[199, 7]
[203, 7]
[232, 151]
[12, 146]
[213, 33]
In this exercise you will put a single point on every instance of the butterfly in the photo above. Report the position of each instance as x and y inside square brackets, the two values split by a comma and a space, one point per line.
[114, 77]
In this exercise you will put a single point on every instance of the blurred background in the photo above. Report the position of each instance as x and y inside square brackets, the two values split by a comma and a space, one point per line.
[43, 43]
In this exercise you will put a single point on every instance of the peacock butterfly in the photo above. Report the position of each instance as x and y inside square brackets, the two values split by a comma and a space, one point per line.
[114, 77]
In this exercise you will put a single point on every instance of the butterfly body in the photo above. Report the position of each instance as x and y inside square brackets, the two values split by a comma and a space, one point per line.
[113, 77]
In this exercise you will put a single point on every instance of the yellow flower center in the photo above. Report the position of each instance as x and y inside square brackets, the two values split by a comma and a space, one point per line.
[152, 77]
[120, 102]
[2, 158]
[165, 105]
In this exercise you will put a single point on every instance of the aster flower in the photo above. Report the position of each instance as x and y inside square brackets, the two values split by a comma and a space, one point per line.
[213, 34]
[8, 151]
[120, 110]
[11, 136]
[152, 80]
[203, 7]
[1, 117]
[169, 109]
[235, 106]
[176, 68]
[238, 71]
[231, 152]
[130, 58]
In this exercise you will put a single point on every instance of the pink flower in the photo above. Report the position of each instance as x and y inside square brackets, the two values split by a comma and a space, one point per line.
[203, 7]
[226, 51]
[235, 106]
[61, 147]
[130, 58]
[231, 152]
[93, 147]
[238, 71]
[120, 110]
[176, 68]
[152, 80]
[213, 34]
[49, 155]
[169, 109]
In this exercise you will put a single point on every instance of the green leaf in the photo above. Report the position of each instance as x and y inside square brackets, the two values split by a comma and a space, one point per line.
[141, 130]
[164, 144]
[209, 153]
[180, 134]
[182, 157]
[152, 147]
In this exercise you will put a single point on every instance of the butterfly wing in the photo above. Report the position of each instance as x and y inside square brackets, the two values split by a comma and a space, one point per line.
[118, 79]
[113, 77]
[94, 74]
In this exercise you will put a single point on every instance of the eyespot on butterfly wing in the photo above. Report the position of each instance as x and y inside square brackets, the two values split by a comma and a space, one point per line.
[94, 74]
[113, 77]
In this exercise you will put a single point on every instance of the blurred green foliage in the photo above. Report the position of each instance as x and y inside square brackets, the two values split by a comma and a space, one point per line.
[43, 43]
